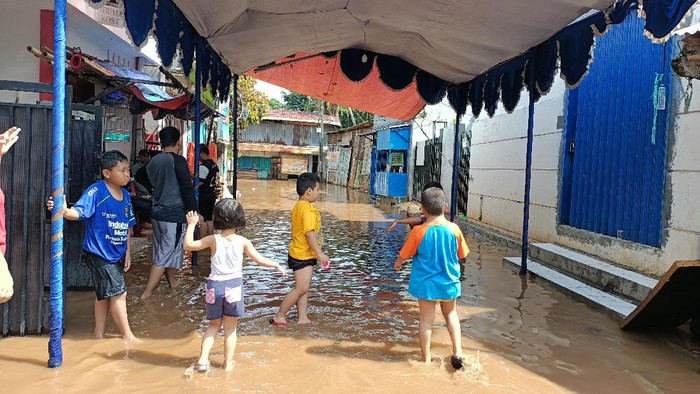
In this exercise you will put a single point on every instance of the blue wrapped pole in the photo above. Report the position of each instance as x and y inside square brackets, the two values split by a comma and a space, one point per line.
[528, 164]
[197, 129]
[455, 171]
[57, 172]
[235, 136]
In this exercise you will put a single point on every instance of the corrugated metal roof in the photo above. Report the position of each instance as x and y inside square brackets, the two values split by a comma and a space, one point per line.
[281, 133]
[288, 115]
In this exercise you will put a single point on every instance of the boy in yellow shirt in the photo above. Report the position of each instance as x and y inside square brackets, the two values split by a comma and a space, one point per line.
[304, 250]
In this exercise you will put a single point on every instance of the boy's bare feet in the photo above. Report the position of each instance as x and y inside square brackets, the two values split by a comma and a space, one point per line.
[304, 321]
[146, 295]
[132, 340]
[228, 366]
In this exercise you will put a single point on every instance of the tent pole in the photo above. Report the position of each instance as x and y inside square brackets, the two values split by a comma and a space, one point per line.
[58, 172]
[196, 130]
[528, 163]
[455, 170]
[235, 136]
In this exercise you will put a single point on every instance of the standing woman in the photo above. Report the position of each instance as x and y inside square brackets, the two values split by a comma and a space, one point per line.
[7, 139]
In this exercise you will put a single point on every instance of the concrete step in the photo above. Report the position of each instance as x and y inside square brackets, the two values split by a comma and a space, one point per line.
[617, 306]
[597, 273]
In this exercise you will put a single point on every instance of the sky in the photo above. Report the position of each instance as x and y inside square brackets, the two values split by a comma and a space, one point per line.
[270, 90]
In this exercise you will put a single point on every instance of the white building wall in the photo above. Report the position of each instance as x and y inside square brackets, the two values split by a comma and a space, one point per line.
[497, 168]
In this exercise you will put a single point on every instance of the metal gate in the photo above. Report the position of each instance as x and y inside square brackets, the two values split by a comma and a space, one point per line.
[25, 176]
[431, 168]
[614, 161]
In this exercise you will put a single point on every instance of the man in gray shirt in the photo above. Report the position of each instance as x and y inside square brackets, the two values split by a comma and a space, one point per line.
[168, 176]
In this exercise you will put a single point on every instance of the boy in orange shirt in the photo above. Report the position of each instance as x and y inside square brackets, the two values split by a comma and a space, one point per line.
[304, 250]
[436, 248]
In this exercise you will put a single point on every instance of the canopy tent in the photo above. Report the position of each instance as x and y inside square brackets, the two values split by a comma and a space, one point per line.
[478, 52]
[429, 47]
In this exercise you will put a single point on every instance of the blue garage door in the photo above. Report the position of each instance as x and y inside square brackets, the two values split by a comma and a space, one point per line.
[614, 161]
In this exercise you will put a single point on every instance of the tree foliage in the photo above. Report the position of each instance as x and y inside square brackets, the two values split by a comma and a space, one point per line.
[276, 104]
[348, 116]
[252, 104]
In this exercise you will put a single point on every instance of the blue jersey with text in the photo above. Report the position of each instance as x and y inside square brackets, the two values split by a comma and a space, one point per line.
[107, 221]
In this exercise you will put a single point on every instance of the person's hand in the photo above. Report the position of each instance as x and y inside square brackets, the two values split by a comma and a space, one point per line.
[49, 204]
[127, 262]
[324, 261]
[398, 264]
[6, 285]
[193, 218]
[391, 226]
[281, 270]
[8, 138]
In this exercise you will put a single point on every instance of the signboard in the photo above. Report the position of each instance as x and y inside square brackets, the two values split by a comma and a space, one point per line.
[117, 137]
[111, 14]
[333, 159]
[295, 165]
[397, 159]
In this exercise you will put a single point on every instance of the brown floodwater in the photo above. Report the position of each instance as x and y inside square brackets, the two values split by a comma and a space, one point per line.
[519, 335]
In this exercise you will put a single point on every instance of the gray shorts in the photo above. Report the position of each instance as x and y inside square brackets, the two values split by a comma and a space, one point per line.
[107, 277]
[224, 298]
[168, 244]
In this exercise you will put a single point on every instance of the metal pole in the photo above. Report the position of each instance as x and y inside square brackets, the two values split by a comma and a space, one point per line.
[321, 158]
[197, 122]
[235, 135]
[528, 164]
[57, 169]
[455, 170]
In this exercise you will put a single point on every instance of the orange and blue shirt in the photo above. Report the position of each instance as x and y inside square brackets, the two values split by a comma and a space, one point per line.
[305, 218]
[436, 248]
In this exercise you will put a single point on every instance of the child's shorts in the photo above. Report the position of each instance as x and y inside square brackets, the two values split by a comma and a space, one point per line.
[296, 264]
[107, 277]
[224, 298]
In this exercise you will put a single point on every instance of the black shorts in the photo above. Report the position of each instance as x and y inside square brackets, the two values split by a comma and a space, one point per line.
[296, 264]
[107, 277]
[206, 205]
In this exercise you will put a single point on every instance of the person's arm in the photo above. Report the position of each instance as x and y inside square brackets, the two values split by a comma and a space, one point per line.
[259, 259]
[191, 245]
[6, 282]
[399, 263]
[185, 181]
[411, 221]
[127, 257]
[68, 213]
[409, 249]
[313, 243]
[141, 178]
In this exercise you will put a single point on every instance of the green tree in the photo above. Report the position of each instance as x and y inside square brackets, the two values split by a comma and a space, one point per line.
[276, 104]
[348, 116]
[252, 104]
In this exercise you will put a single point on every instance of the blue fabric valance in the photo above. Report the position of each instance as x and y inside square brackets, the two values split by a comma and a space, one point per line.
[171, 29]
[570, 49]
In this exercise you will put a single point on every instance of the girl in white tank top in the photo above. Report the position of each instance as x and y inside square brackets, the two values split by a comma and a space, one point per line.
[224, 293]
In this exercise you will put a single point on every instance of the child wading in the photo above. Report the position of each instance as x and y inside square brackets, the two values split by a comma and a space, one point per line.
[224, 294]
[106, 208]
[304, 250]
[436, 248]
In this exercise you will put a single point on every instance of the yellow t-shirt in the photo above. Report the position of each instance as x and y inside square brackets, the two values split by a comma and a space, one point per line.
[305, 217]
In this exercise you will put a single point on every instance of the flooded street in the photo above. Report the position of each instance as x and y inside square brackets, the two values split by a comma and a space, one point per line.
[519, 335]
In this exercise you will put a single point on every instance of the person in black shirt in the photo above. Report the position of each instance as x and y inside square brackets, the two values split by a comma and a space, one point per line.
[168, 177]
[208, 176]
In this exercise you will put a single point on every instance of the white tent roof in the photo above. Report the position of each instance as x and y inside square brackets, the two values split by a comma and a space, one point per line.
[452, 39]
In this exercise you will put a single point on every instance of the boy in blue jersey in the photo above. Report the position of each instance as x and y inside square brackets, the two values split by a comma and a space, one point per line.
[106, 208]
[436, 248]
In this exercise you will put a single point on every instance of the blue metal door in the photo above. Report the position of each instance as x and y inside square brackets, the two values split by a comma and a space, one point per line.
[614, 160]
